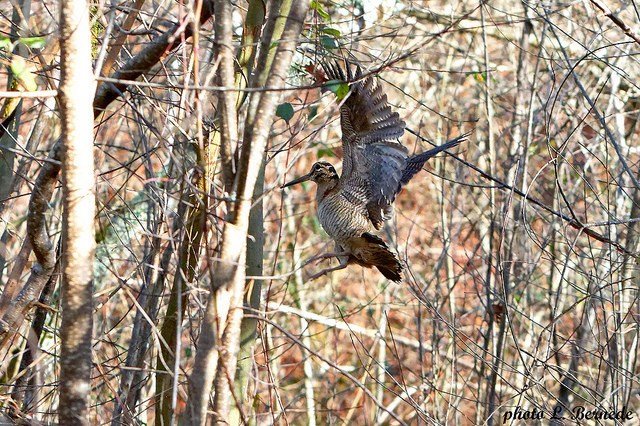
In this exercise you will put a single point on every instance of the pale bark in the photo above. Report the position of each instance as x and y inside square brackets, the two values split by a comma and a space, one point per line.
[79, 211]
[226, 100]
[224, 308]
[251, 36]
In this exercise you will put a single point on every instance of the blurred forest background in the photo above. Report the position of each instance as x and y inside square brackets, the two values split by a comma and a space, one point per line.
[521, 280]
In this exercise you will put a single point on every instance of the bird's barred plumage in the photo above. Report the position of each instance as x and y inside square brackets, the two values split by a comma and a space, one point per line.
[375, 167]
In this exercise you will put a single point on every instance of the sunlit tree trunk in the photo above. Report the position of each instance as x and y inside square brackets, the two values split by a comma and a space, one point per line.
[79, 211]
[221, 324]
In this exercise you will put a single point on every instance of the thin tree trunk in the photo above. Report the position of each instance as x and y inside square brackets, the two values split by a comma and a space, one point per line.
[224, 312]
[10, 118]
[248, 328]
[78, 239]
[252, 299]
[172, 326]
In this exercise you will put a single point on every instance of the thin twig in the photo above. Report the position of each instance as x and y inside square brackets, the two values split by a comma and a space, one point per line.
[572, 222]
[619, 22]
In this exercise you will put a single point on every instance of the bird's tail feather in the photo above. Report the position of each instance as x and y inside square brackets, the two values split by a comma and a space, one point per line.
[376, 253]
[391, 274]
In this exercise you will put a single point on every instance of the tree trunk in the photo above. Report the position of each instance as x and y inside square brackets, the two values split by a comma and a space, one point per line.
[221, 324]
[79, 212]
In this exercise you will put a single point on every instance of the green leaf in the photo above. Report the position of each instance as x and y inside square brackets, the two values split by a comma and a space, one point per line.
[33, 42]
[313, 111]
[328, 42]
[285, 111]
[331, 31]
[18, 65]
[477, 75]
[343, 90]
[5, 43]
[340, 88]
[325, 152]
[333, 85]
[19, 69]
[316, 6]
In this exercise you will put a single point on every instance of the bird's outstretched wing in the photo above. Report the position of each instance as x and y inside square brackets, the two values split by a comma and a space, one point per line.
[415, 162]
[373, 157]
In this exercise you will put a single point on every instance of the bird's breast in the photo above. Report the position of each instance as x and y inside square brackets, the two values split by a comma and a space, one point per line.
[342, 219]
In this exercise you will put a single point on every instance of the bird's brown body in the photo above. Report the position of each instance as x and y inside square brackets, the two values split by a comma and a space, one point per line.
[347, 222]
[351, 207]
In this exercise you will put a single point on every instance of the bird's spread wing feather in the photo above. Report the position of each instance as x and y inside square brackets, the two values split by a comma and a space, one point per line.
[416, 162]
[373, 157]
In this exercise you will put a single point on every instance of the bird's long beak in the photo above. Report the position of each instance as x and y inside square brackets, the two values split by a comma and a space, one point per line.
[300, 179]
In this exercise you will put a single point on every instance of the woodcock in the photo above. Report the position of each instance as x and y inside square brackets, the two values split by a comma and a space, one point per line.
[375, 167]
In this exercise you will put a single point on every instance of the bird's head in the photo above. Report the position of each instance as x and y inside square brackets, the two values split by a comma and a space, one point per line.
[321, 173]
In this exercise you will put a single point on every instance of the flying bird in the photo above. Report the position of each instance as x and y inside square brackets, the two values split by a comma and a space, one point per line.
[375, 167]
